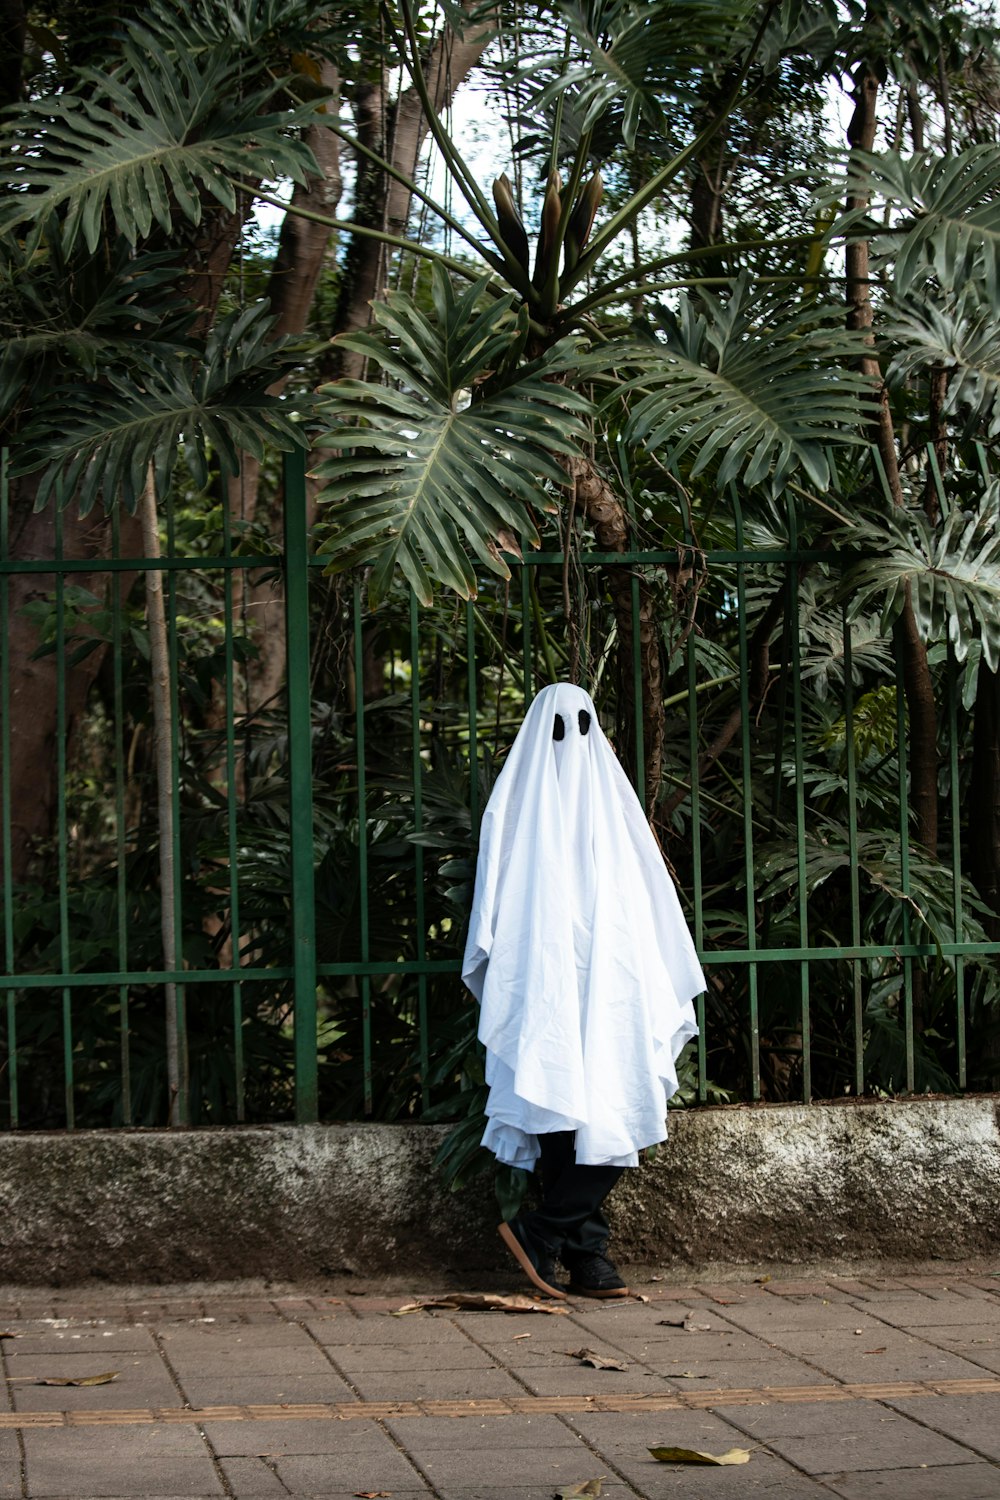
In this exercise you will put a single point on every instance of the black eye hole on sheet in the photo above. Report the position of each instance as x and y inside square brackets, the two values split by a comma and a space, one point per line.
[584, 720]
[559, 728]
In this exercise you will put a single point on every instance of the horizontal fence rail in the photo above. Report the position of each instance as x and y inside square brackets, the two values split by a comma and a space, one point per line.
[324, 817]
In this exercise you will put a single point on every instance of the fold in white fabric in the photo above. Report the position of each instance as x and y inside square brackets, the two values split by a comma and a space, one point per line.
[578, 951]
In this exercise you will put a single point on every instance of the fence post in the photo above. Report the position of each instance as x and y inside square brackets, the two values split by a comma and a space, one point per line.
[296, 563]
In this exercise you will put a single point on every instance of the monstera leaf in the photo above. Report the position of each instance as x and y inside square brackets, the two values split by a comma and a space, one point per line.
[953, 208]
[439, 470]
[959, 335]
[757, 390]
[636, 53]
[147, 143]
[952, 574]
[96, 439]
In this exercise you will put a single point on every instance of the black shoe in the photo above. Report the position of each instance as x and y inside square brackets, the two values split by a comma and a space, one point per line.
[591, 1274]
[537, 1263]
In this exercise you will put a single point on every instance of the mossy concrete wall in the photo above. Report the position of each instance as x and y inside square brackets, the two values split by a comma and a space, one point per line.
[913, 1179]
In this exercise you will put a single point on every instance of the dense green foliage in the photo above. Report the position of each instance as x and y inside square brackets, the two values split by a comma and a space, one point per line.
[637, 342]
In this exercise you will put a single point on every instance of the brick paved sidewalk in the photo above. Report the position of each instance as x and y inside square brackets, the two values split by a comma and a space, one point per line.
[855, 1388]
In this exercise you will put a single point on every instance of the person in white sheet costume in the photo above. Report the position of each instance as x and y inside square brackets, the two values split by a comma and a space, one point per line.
[585, 971]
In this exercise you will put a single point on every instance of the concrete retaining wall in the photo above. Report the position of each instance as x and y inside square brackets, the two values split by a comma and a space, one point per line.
[906, 1179]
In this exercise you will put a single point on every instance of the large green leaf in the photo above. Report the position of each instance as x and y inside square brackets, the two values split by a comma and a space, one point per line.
[67, 317]
[756, 389]
[97, 440]
[960, 335]
[440, 469]
[951, 574]
[953, 208]
[146, 143]
[639, 53]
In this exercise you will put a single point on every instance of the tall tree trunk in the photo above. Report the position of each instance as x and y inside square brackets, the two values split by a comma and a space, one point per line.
[918, 685]
[397, 132]
[34, 681]
[917, 682]
[607, 515]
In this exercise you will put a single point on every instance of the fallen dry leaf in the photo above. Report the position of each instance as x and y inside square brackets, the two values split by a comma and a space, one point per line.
[10, 1335]
[687, 1322]
[372, 1494]
[639, 1297]
[588, 1357]
[518, 1336]
[761, 1280]
[104, 1379]
[695, 1456]
[570, 1491]
[877, 1351]
[481, 1302]
[690, 1375]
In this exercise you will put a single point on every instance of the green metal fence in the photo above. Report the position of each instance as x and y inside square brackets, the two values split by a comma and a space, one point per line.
[324, 844]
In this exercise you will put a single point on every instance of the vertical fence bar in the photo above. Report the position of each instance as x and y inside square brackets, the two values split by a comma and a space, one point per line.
[232, 804]
[800, 810]
[8, 853]
[526, 633]
[470, 655]
[696, 875]
[418, 853]
[61, 824]
[852, 840]
[182, 1112]
[121, 843]
[747, 798]
[956, 864]
[359, 717]
[904, 861]
[296, 568]
[640, 748]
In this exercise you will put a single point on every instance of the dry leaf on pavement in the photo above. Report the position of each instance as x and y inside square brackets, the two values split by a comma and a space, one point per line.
[687, 1322]
[588, 1357]
[695, 1456]
[104, 1379]
[373, 1494]
[480, 1302]
[571, 1491]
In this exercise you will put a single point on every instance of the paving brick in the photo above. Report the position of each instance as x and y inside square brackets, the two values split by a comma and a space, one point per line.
[797, 1288]
[910, 1313]
[482, 1435]
[444, 1384]
[516, 1464]
[415, 1328]
[150, 1461]
[122, 1338]
[778, 1314]
[847, 1357]
[328, 1474]
[143, 1380]
[956, 1482]
[252, 1477]
[971, 1420]
[355, 1359]
[854, 1437]
[276, 1439]
[257, 1390]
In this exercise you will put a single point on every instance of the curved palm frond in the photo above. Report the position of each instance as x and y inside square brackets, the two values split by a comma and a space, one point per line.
[756, 389]
[69, 316]
[952, 575]
[97, 440]
[954, 202]
[147, 143]
[640, 52]
[438, 472]
[962, 338]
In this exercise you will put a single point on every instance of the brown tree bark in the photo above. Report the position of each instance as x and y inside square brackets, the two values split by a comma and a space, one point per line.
[607, 515]
[33, 683]
[917, 682]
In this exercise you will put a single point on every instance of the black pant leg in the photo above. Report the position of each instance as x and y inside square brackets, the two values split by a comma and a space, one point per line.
[570, 1220]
